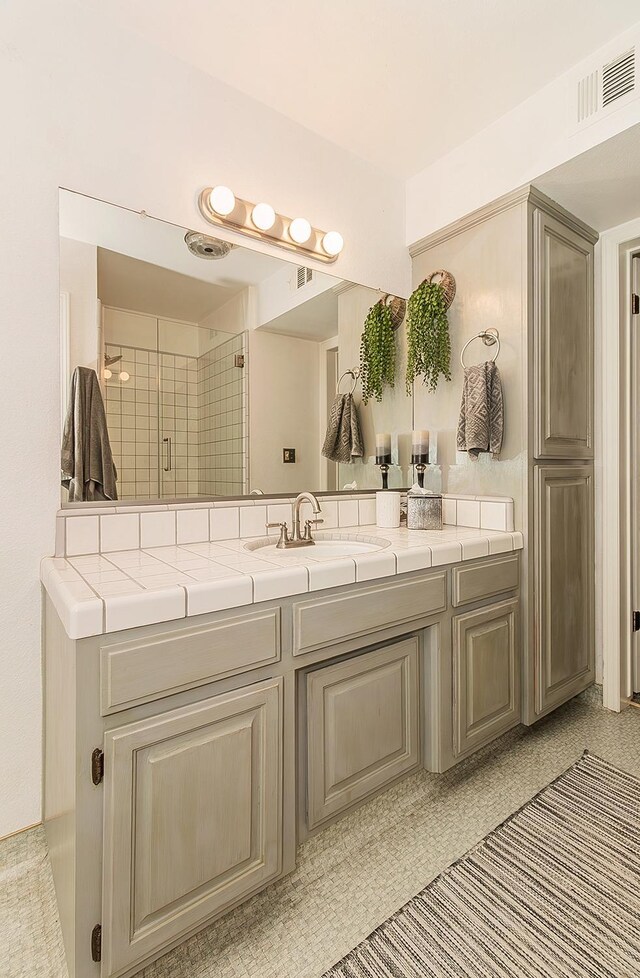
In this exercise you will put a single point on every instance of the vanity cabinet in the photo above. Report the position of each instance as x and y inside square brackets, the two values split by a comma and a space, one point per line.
[192, 818]
[563, 340]
[563, 554]
[362, 727]
[486, 675]
[185, 760]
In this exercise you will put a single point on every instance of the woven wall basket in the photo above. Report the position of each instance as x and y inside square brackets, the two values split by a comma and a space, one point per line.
[398, 308]
[448, 283]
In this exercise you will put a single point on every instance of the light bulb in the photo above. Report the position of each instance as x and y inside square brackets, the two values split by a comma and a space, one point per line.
[222, 200]
[263, 216]
[332, 243]
[124, 376]
[106, 373]
[300, 230]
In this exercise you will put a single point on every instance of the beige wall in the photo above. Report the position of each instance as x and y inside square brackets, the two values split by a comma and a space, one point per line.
[79, 277]
[393, 413]
[284, 373]
[488, 262]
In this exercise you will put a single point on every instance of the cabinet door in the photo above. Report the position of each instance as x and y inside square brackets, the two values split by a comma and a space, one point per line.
[564, 658]
[486, 675]
[192, 818]
[362, 726]
[563, 341]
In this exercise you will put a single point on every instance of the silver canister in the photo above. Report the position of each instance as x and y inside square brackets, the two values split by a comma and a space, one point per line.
[424, 512]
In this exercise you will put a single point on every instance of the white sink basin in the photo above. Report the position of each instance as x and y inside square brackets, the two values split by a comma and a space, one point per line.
[324, 547]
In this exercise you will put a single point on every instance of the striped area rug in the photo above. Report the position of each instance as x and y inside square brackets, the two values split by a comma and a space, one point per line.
[554, 892]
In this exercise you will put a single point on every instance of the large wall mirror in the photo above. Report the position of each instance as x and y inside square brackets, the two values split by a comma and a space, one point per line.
[218, 365]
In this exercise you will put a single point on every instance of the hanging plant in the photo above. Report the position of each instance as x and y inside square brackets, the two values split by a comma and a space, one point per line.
[429, 345]
[377, 352]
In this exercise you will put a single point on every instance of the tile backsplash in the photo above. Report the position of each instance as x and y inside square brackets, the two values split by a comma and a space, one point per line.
[106, 530]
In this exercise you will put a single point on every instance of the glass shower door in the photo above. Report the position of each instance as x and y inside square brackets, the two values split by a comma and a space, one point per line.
[178, 431]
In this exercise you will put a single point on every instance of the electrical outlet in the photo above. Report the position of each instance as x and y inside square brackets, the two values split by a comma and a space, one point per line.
[288, 454]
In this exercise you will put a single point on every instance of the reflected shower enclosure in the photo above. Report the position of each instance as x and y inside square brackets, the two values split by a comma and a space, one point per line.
[176, 408]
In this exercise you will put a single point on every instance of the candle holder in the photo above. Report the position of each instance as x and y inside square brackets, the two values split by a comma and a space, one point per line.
[420, 462]
[383, 462]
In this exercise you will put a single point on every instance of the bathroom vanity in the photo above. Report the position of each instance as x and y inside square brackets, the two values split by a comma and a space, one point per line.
[185, 759]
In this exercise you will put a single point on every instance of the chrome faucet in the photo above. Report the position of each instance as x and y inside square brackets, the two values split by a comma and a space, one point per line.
[298, 538]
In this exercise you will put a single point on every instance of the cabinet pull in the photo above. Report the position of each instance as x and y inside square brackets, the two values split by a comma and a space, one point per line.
[167, 442]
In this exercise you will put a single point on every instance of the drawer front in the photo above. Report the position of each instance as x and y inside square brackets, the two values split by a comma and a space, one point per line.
[485, 579]
[138, 671]
[362, 727]
[325, 621]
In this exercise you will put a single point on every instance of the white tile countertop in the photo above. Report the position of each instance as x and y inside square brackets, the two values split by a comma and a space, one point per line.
[95, 593]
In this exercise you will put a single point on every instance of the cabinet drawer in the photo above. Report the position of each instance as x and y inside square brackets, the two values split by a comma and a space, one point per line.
[325, 621]
[485, 579]
[362, 727]
[138, 671]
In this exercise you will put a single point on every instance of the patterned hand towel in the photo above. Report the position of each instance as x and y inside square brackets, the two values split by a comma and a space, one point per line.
[482, 411]
[343, 441]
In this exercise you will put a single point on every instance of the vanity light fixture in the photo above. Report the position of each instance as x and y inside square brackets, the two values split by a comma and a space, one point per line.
[300, 230]
[107, 374]
[124, 376]
[263, 216]
[222, 201]
[219, 206]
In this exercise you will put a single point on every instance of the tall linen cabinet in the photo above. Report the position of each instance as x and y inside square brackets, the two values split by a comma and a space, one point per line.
[524, 265]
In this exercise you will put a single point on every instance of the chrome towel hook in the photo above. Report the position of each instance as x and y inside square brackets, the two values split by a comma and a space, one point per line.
[490, 337]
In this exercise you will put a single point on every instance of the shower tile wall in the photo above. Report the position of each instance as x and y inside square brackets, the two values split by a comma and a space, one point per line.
[132, 420]
[179, 423]
[223, 415]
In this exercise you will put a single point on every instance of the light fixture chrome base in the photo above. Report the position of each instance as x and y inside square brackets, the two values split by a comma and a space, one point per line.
[240, 220]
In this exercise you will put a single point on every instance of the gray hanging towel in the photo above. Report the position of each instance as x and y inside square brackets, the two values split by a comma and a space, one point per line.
[88, 470]
[481, 421]
[343, 441]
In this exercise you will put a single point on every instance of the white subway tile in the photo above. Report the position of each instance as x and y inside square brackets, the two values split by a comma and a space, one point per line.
[60, 539]
[371, 566]
[119, 532]
[467, 512]
[280, 583]
[204, 597]
[253, 521]
[331, 573]
[348, 512]
[449, 514]
[367, 511]
[144, 608]
[224, 523]
[82, 535]
[157, 529]
[413, 559]
[193, 525]
[493, 516]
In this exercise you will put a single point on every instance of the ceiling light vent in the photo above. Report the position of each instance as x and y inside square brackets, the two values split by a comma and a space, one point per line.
[601, 89]
[619, 77]
[304, 276]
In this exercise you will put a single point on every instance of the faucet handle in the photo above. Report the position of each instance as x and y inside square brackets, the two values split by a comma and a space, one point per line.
[284, 533]
[307, 527]
[315, 522]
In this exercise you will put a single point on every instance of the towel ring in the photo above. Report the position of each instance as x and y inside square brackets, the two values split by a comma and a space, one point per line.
[490, 337]
[353, 373]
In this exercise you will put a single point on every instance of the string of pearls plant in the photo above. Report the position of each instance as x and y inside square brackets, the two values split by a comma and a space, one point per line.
[377, 352]
[429, 345]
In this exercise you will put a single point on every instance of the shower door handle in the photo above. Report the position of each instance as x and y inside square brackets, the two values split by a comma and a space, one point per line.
[167, 467]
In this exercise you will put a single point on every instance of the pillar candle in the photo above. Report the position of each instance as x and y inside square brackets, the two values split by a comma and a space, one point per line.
[383, 446]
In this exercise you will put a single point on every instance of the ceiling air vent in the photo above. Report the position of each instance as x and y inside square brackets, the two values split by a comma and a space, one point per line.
[304, 276]
[619, 77]
[588, 96]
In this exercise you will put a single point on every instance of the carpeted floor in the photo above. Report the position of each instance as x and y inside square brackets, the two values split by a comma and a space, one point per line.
[552, 891]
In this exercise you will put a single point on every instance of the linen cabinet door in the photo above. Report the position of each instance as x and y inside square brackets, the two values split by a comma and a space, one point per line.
[362, 727]
[564, 656]
[486, 675]
[192, 818]
[563, 341]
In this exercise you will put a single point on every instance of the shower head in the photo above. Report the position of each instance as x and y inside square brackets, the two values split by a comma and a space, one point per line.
[204, 246]
[108, 361]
